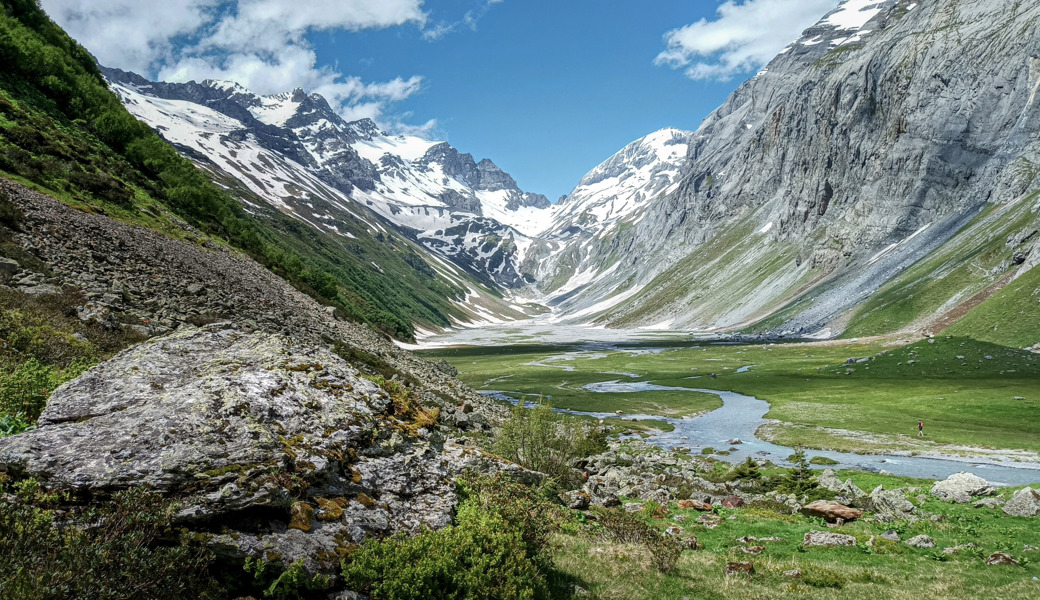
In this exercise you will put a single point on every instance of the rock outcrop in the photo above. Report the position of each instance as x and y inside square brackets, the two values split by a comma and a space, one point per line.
[960, 487]
[277, 449]
[1025, 503]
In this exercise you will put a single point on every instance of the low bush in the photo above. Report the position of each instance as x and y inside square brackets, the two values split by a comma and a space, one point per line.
[541, 440]
[626, 528]
[106, 551]
[497, 548]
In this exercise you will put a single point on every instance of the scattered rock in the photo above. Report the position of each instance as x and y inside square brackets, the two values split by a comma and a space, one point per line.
[958, 548]
[1025, 503]
[575, 500]
[1000, 558]
[831, 511]
[734, 441]
[745, 569]
[829, 481]
[891, 535]
[709, 520]
[753, 550]
[960, 487]
[8, 268]
[989, 503]
[732, 502]
[793, 574]
[826, 538]
[920, 541]
[694, 505]
[890, 503]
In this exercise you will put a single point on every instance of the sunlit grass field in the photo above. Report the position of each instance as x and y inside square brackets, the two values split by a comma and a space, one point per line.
[967, 392]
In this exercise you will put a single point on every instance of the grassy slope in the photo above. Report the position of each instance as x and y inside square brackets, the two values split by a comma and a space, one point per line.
[893, 570]
[706, 279]
[965, 265]
[62, 131]
[1011, 316]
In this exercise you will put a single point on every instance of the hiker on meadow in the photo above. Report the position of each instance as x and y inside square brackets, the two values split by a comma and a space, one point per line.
[920, 429]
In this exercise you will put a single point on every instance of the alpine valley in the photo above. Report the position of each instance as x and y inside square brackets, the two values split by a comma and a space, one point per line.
[234, 363]
[878, 175]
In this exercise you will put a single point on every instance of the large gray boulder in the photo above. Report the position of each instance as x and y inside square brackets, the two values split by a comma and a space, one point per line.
[1025, 503]
[272, 448]
[960, 487]
[890, 503]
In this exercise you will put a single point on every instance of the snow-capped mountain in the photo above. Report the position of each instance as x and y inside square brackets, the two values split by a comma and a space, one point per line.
[610, 198]
[860, 174]
[295, 152]
[621, 186]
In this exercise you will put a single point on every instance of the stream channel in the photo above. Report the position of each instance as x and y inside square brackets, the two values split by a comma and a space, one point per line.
[740, 416]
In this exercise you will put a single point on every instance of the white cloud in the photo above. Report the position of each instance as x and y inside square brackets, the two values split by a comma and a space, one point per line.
[743, 37]
[260, 44]
[468, 20]
[131, 34]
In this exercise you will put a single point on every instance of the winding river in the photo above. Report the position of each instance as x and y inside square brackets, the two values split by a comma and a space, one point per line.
[740, 416]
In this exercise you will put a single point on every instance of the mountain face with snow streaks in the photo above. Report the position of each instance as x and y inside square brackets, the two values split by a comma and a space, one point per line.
[305, 160]
[887, 132]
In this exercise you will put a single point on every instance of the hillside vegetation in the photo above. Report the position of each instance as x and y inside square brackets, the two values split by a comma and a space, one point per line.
[64, 132]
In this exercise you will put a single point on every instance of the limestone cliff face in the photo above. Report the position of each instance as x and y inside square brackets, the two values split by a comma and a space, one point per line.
[861, 148]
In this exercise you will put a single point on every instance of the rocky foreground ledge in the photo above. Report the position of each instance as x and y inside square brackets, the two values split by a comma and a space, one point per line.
[273, 449]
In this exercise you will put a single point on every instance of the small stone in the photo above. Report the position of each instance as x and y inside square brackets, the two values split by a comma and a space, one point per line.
[1000, 558]
[956, 549]
[921, 541]
[694, 505]
[891, 535]
[793, 574]
[753, 550]
[745, 569]
[709, 520]
[826, 538]
[734, 441]
[732, 502]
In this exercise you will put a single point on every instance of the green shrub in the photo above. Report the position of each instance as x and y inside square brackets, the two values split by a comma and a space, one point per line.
[286, 584]
[107, 553]
[25, 391]
[822, 460]
[497, 548]
[14, 424]
[799, 479]
[626, 528]
[541, 440]
[746, 471]
[10, 215]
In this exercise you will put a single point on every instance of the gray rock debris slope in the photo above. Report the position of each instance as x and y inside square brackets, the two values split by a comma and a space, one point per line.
[861, 148]
[257, 437]
[129, 277]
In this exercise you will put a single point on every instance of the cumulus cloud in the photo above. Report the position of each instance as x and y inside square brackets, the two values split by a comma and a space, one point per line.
[260, 44]
[743, 38]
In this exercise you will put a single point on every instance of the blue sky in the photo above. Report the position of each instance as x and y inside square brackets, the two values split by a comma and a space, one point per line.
[546, 89]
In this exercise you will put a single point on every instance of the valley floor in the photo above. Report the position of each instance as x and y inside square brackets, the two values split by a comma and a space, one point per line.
[977, 400]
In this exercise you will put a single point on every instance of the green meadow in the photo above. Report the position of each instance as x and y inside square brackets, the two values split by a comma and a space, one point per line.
[608, 569]
[967, 392]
